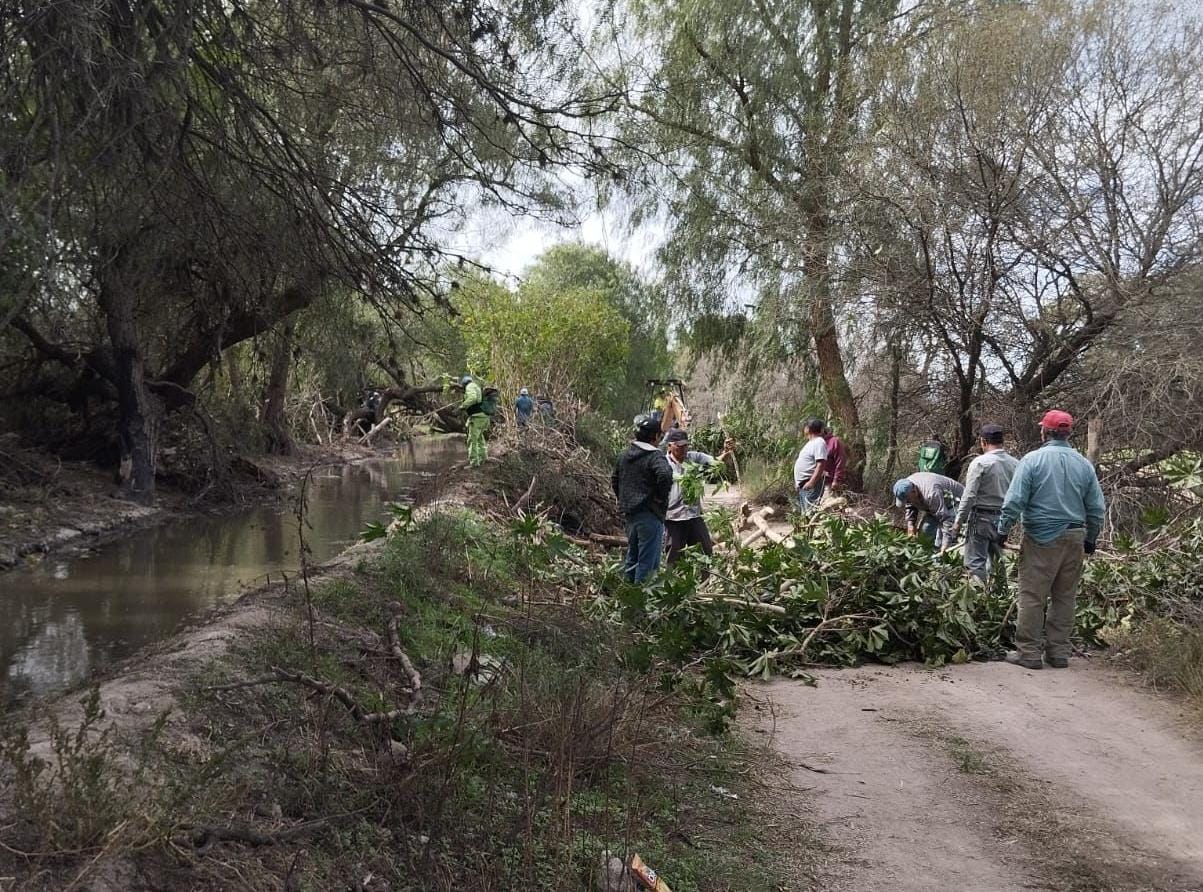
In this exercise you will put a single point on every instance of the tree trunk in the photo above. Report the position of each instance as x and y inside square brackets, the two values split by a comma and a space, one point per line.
[139, 412]
[229, 358]
[964, 438]
[829, 355]
[279, 437]
[1094, 439]
[892, 429]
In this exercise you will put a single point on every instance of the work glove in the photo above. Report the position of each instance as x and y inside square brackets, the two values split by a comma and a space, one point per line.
[1000, 538]
[1088, 547]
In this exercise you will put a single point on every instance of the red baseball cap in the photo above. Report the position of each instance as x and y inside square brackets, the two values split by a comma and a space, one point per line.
[1056, 420]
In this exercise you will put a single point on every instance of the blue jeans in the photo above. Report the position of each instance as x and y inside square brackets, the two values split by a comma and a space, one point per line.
[808, 499]
[931, 530]
[982, 550]
[645, 541]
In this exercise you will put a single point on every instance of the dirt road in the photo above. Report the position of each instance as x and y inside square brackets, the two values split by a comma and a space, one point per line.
[991, 777]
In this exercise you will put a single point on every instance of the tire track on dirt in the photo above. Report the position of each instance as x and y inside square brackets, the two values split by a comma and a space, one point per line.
[988, 777]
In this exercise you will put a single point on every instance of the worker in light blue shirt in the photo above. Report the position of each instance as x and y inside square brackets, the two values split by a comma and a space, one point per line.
[1056, 493]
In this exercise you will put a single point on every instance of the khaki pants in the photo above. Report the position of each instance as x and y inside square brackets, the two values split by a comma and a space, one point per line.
[1048, 578]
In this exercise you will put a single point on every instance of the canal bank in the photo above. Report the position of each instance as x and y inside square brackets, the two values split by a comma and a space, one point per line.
[103, 595]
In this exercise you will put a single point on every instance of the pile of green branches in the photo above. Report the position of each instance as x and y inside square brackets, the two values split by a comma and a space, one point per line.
[1159, 577]
[836, 593]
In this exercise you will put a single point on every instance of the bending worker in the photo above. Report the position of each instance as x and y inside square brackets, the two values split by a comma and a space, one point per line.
[931, 505]
[981, 504]
[1056, 493]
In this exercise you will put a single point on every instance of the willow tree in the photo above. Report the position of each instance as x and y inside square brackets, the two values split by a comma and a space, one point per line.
[182, 176]
[1032, 189]
[753, 107]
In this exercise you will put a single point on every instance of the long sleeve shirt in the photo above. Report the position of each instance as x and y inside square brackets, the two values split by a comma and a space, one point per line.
[1054, 488]
[986, 483]
[473, 396]
[642, 480]
[837, 461]
[677, 508]
[939, 495]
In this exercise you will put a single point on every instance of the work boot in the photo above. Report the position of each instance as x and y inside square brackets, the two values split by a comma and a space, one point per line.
[1057, 662]
[1014, 657]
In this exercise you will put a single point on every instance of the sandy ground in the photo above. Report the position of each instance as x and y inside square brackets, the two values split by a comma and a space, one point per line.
[990, 777]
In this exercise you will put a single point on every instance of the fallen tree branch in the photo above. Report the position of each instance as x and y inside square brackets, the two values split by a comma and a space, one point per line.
[525, 497]
[744, 602]
[375, 429]
[342, 695]
[394, 645]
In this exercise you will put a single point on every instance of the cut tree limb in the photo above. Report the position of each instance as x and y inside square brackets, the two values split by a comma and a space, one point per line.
[525, 497]
[376, 428]
[342, 695]
[394, 645]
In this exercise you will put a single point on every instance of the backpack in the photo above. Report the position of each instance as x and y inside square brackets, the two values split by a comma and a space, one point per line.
[488, 402]
[932, 457]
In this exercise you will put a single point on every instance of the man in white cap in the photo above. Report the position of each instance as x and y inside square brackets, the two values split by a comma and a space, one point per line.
[1056, 493]
[524, 407]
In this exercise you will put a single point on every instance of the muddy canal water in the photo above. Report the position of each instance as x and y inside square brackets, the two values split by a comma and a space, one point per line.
[67, 616]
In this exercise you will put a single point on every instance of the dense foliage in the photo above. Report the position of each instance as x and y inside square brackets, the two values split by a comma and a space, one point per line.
[840, 592]
[556, 342]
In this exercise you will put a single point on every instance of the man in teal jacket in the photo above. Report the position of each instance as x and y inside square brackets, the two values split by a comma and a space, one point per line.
[1056, 493]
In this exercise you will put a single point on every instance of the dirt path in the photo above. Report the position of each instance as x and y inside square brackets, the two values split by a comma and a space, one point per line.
[990, 777]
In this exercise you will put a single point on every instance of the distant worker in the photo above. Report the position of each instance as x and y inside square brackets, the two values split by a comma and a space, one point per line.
[1056, 493]
[642, 481]
[836, 468]
[547, 409]
[477, 420]
[981, 504]
[811, 466]
[524, 407]
[930, 501]
[683, 520]
[933, 455]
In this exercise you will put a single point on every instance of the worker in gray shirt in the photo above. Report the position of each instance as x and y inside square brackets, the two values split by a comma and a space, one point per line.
[931, 506]
[981, 504]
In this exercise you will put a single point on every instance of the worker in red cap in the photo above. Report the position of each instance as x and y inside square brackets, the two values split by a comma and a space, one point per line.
[1056, 493]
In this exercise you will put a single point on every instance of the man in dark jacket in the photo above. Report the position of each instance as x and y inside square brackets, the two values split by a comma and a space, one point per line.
[642, 480]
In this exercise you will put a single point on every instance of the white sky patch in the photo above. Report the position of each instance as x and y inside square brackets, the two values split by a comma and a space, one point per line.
[517, 242]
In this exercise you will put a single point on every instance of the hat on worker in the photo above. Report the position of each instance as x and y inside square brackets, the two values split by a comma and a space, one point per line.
[523, 392]
[465, 381]
[1056, 420]
[646, 425]
[992, 433]
[901, 489]
[678, 436]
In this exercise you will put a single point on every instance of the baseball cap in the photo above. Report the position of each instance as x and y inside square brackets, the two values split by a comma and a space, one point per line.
[901, 489]
[645, 425]
[992, 433]
[1056, 420]
[523, 392]
[678, 436]
[466, 380]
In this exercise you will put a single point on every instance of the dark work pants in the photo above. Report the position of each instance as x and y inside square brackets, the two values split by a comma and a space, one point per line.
[683, 533]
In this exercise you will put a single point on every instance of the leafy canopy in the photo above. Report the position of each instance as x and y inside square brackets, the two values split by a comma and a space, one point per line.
[561, 342]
